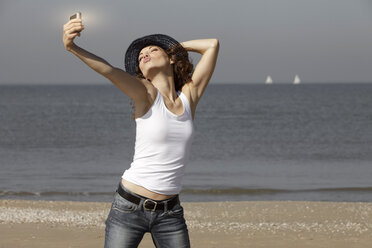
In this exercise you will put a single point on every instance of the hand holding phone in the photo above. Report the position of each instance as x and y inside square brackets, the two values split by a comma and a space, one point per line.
[77, 15]
[72, 29]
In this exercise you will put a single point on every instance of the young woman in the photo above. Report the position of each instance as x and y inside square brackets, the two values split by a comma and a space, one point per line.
[165, 89]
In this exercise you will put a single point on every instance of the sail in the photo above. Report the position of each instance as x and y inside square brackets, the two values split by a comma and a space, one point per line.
[269, 80]
[297, 80]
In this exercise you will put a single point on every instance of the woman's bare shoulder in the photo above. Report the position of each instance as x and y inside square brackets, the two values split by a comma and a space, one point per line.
[142, 106]
[151, 90]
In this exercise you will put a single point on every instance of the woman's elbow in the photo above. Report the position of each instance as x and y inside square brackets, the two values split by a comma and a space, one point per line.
[215, 43]
[106, 71]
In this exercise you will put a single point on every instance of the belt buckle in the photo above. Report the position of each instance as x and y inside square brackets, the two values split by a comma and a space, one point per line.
[149, 201]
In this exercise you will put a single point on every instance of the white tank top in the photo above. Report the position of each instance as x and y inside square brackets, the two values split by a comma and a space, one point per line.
[162, 147]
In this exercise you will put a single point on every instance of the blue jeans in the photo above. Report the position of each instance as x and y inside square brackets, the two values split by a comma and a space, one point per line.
[127, 222]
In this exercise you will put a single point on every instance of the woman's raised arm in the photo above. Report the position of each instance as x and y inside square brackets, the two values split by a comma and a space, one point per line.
[131, 86]
[204, 69]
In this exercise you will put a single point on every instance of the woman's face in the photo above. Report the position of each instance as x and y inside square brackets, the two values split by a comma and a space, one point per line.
[152, 59]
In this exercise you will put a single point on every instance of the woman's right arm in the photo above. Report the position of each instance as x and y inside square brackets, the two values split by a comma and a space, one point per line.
[131, 86]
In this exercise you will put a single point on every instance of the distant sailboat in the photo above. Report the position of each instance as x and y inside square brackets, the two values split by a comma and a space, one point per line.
[297, 80]
[269, 80]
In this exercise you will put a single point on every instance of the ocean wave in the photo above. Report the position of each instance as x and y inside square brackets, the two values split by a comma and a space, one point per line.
[198, 191]
[262, 191]
[51, 193]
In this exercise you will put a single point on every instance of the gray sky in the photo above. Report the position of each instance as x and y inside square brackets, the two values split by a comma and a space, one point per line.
[321, 40]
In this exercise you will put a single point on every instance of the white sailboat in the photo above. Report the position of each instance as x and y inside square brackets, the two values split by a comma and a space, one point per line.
[269, 80]
[297, 80]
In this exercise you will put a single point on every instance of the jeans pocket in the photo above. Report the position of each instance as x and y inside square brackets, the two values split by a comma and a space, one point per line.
[122, 205]
[177, 210]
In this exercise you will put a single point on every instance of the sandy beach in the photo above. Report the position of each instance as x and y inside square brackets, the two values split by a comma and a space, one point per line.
[211, 224]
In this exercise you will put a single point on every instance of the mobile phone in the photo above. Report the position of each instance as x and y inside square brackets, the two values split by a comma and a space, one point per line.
[76, 15]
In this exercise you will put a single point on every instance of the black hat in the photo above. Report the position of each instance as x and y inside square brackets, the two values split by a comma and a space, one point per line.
[131, 55]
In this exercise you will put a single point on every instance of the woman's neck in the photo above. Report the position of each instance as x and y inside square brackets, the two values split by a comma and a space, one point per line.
[165, 84]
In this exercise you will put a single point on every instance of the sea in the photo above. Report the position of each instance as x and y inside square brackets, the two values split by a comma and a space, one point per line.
[253, 142]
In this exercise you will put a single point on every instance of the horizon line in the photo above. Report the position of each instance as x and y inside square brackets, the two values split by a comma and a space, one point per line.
[211, 83]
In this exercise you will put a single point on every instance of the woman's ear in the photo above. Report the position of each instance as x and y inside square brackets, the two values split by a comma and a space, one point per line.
[171, 61]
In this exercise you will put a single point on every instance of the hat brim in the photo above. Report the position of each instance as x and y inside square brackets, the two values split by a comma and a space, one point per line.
[131, 55]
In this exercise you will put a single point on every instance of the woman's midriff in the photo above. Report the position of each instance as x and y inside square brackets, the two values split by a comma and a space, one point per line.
[139, 190]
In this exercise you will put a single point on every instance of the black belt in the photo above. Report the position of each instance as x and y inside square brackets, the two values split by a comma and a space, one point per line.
[148, 204]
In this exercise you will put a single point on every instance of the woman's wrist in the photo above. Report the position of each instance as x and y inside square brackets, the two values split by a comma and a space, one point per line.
[71, 47]
[183, 44]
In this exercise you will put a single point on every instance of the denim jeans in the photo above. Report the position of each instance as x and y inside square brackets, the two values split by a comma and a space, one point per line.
[127, 222]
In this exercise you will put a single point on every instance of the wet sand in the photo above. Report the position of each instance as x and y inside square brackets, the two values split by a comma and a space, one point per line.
[211, 224]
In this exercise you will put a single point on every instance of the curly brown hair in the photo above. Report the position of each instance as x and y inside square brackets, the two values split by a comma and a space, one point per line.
[182, 68]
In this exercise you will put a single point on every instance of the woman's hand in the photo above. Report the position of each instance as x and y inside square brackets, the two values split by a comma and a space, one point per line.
[70, 30]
